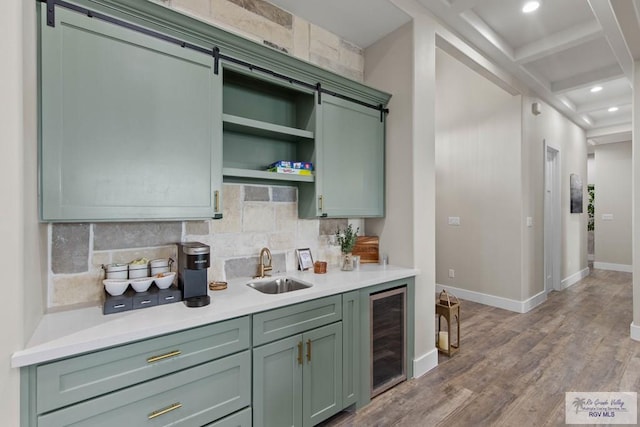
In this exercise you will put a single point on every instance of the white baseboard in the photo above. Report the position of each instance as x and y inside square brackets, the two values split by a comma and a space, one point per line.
[495, 301]
[635, 332]
[574, 278]
[613, 267]
[425, 363]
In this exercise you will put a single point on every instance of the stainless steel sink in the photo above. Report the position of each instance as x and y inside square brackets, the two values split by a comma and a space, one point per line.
[278, 285]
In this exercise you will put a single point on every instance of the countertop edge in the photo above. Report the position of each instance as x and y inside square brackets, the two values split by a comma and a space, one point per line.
[240, 301]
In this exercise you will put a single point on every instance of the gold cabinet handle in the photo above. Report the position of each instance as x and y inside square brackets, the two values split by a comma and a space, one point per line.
[308, 350]
[216, 201]
[153, 359]
[163, 411]
[300, 353]
[320, 200]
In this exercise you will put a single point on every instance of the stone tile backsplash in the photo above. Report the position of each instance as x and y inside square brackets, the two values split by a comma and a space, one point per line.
[267, 24]
[121, 235]
[254, 217]
[70, 248]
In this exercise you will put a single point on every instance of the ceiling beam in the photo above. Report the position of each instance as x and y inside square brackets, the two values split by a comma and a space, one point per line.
[616, 120]
[628, 16]
[603, 131]
[558, 42]
[487, 32]
[587, 79]
[476, 62]
[459, 6]
[605, 15]
[603, 104]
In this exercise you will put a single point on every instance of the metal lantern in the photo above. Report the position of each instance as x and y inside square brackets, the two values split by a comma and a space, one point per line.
[448, 306]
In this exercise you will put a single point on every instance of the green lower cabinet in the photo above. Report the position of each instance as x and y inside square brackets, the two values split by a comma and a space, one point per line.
[192, 397]
[350, 348]
[277, 383]
[297, 381]
[239, 419]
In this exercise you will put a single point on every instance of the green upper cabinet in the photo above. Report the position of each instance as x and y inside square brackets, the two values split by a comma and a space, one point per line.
[130, 124]
[144, 110]
[350, 162]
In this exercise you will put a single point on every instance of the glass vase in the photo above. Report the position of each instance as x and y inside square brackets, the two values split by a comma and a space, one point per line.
[346, 262]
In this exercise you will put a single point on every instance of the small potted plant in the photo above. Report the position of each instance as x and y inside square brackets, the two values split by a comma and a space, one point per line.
[347, 240]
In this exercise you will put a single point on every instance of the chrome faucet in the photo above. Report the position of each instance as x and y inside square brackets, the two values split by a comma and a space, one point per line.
[262, 267]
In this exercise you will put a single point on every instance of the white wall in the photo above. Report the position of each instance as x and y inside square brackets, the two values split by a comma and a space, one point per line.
[403, 63]
[478, 138]
[591, 168]
[393, 56]
[11, 193]
[35, 234]
[613, 197]
[635, 325]
[565, 136]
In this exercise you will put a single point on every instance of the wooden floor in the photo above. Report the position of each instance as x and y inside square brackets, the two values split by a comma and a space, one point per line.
[513, 369]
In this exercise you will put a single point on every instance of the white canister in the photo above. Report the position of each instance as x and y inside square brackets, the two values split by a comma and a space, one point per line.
[161, 265]
[138, 270]
[116, 271]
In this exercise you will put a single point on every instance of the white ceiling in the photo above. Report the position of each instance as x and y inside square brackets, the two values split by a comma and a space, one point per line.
[559, 52]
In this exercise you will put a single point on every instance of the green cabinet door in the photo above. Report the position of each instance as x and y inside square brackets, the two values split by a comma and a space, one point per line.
[297, 381]
[350, 161]
[277, 383]
[322, 373]
[130, 124]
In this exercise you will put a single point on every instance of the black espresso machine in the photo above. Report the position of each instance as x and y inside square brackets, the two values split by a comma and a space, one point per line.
[193, 262]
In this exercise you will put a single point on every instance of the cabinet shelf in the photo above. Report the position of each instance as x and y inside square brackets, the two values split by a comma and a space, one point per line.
[256, 174]
[256, 127]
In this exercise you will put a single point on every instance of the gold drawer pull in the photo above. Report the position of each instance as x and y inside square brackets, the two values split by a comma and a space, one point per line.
[164, 356]
[168, 409]
[308, 350]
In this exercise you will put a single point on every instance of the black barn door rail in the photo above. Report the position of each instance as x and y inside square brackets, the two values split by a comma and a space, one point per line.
[215, 51]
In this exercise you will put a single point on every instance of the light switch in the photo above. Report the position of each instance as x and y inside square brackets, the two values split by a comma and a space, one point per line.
[529, 221]
[607, 217]
[454, 220]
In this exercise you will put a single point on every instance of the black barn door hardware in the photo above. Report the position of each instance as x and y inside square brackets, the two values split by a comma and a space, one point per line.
[215, 51]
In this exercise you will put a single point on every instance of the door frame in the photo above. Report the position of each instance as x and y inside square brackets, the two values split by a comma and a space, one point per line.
[552, 219]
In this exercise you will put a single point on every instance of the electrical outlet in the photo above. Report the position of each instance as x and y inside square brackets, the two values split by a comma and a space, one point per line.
[452, 273]
[454, 220]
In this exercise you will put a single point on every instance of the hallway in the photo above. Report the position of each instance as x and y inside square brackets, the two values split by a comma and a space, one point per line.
[513, 369]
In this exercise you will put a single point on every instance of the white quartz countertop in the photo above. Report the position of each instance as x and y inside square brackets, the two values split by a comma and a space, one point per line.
[78, 331]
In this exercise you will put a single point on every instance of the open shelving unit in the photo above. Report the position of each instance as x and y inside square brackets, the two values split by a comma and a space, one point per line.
[264, 122]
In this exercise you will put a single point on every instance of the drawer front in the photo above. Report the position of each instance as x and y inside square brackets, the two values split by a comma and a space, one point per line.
[294, 319]
[83, 377]
[239, 419]
[195, 396]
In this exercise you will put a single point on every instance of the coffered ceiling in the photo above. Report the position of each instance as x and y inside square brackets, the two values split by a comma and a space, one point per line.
[561, 51]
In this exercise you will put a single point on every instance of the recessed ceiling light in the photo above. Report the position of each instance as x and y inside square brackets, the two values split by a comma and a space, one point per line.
[613, 109]
[530, 6]
[596, 89]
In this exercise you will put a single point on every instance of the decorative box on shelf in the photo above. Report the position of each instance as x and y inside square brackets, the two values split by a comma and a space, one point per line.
[289, 167]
